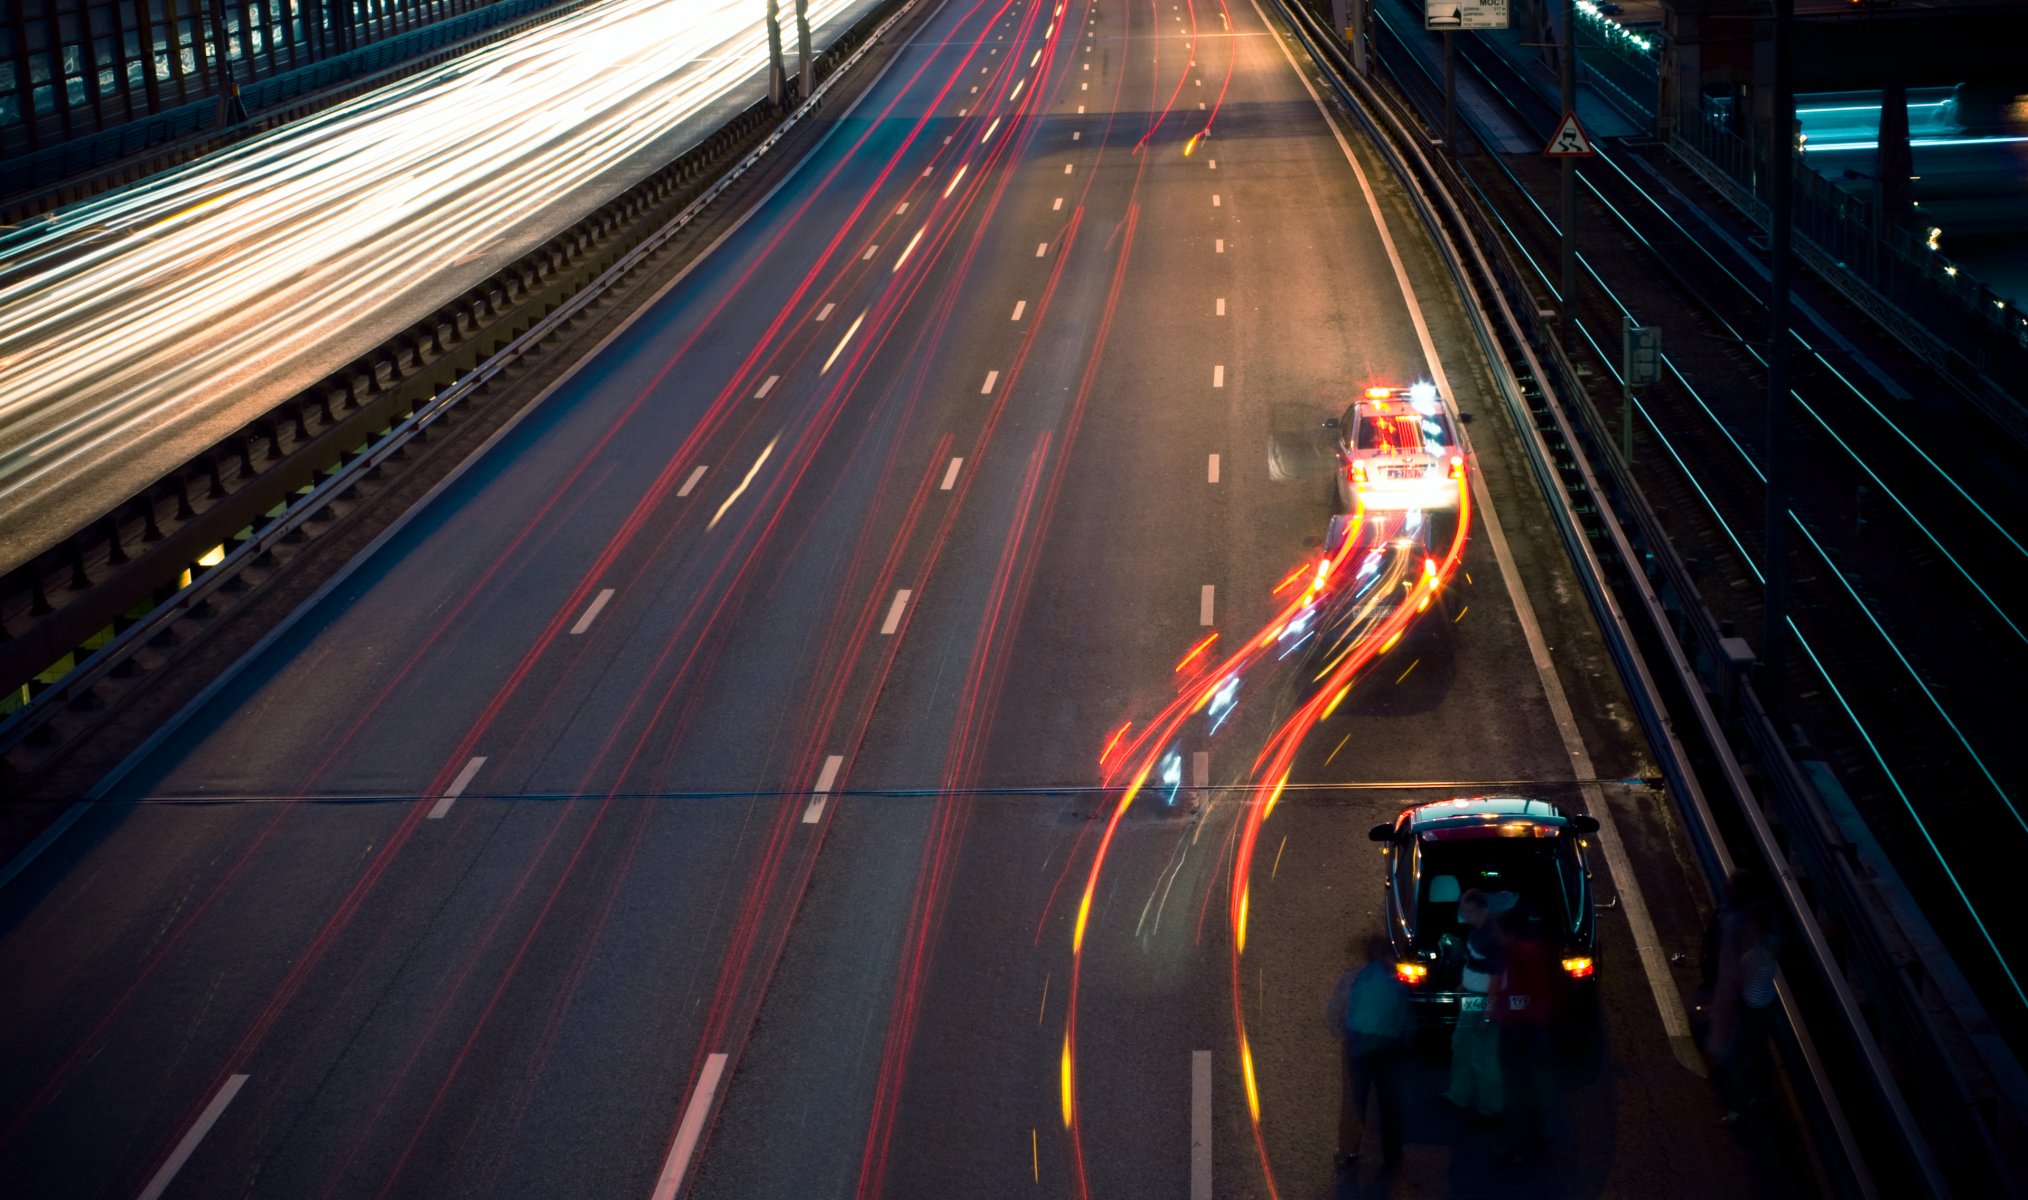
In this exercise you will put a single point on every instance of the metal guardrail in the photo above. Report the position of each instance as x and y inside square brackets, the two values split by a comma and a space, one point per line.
[852, 45]
[1648, 569]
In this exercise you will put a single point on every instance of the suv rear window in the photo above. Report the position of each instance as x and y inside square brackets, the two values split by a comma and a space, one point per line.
[1533, 867]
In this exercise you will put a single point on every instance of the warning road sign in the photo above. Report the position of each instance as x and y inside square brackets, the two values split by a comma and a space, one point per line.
[1570, 140]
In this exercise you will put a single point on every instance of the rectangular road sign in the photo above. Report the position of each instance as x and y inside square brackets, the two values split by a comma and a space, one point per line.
[1464, 14]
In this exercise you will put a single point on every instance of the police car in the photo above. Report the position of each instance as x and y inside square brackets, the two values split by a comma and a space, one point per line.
[1398, 450]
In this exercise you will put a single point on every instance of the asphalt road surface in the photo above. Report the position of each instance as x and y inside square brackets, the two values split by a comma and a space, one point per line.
[703, 793]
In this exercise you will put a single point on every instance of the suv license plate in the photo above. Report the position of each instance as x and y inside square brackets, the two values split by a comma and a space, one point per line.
[1472, 1004]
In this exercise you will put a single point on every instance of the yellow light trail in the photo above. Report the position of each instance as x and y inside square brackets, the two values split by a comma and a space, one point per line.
[841, 343]
[750, 473]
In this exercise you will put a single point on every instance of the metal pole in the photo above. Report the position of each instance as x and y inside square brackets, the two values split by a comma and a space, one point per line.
[1780, 448]
[806, 61]
[1450, 90]
[774, 54]
[1567, 78]
[1359, 38]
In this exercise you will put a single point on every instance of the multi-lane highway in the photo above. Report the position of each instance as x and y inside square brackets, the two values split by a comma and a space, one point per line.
[702, 793]
[139, 328]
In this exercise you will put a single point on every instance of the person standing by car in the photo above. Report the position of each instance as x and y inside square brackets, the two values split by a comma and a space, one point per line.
[1521, 1013]
[1475, 1043]
[1370, 1009]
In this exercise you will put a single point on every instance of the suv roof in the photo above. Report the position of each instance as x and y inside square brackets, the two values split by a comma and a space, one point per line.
[1473, 814]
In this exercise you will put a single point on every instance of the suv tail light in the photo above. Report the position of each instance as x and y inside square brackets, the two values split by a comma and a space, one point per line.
[1411, 972]
[1577, 968]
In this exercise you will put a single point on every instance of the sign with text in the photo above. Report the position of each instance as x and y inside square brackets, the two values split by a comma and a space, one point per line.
[1464, 14]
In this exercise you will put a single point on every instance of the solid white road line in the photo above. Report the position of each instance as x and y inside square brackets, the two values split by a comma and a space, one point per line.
[825, 778]
[690, 484]
[457, 788]
[1200, 1125]
[768, 385]
[1654, 960]
[824, 313]
[188, 1146]
[951, 474]
[692, 1128]
[1042, 249]
[894, 611]
[1020, 306]
[1221, 306]
[1218, 376]
[992, 377]
[1214, 469]
[591, 613]
[1204, 605]
[1220, 247]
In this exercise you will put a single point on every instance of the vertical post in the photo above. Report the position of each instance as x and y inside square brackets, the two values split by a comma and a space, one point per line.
[806, 62]
[229, 107]
[1780, 448]
[1359, 15]
[774, 53]
[1567, 79]
[1450, 91]
[1341, 20]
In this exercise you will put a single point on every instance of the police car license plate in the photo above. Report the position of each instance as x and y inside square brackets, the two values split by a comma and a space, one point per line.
[1472, 1004]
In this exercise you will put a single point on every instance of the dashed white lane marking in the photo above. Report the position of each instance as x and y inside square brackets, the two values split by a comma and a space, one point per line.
[768, 385]
[963, 112]
[1214, 200]
[591, 613]
[1083, 87]
[1067, 168]
[947, 139]
[825, 778]
[1020, 306]
[1205, 605]
[929, 171]
[691, 1129]
[1213, 472]
[894, 611]
[1220, 248]
[870, 252]
[1200, 104]
[1200, 1125]
[902, 209]
[992, 377]
[1221, 306]
[1214, 164]
[824, 313]
[1200, 769]
[457, 788]
[690, 484]
[1076, 135]
[1058, 206]
[951, 475]
[1654, 961]
[188, 1146]
[1042, 249]
[975, 88]
[1087, 66]
[1218, 376]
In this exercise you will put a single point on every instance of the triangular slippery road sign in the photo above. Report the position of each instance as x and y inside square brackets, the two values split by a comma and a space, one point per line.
[1570, 140]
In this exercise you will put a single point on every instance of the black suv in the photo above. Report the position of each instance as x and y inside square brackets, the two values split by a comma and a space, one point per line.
[1438, 852]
